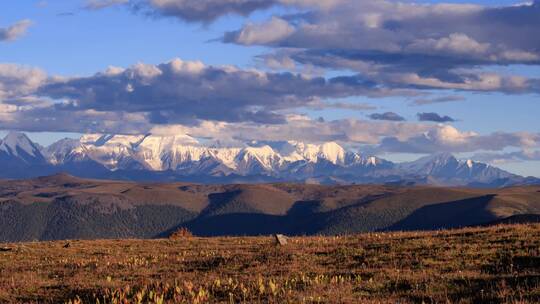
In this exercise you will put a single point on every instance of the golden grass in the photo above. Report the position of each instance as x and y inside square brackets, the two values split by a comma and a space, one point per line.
[477, 265]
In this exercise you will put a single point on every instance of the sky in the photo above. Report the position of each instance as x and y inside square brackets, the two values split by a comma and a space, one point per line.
[396, 79]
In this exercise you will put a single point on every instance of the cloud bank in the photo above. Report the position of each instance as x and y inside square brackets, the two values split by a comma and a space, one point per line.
[410, 45]
[222, 103]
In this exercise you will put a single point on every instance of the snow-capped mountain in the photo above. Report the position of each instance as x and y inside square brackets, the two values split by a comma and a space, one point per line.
[183, 153]
[19, 148]
[445, 169]
[158, 158]
[20, 157]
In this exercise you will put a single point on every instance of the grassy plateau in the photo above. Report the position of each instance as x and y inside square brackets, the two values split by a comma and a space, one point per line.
[499, 264]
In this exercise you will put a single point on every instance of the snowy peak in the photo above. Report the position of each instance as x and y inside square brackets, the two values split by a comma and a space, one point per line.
[58, 151]
[180, 152]
[439, 159]
[299, 151]
[432, 164]
[15, 143]
[161, 143]
[372, 161]
[256, 159]
[444, 168]
[109, 140]
[332, 152]
[182, 156]
[18, 148]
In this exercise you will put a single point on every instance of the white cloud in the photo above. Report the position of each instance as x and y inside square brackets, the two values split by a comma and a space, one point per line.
[273, 30]
[17, 80]
[15, 31]
[456, 43]
[448, 138]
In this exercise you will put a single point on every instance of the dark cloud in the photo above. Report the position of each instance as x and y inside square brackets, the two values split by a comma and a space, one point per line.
[434, 117]
[66, 14]
[200, 10]
[437, 46]
[183, 92]
[14, 31]
[390, 116]
[393, 44]
[441, 99]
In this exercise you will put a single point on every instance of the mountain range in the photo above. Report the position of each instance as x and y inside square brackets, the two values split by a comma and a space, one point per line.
[183, 158]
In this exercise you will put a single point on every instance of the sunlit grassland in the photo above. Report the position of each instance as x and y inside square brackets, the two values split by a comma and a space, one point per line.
[474, 265]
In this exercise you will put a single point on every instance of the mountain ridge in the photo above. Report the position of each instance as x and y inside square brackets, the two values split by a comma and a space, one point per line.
[66, 207]
[182, 158]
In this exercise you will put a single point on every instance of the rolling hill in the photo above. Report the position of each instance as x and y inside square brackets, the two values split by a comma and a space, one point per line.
[65, 207]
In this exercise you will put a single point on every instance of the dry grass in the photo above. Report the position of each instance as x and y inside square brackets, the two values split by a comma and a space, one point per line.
[481, 265]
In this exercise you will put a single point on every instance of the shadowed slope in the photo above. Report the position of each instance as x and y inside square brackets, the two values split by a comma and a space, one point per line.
[62, 207]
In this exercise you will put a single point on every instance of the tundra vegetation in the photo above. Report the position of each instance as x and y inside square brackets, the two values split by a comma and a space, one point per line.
[499, 264]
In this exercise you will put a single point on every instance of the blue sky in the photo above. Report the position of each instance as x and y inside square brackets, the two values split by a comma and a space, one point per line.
[66, 39]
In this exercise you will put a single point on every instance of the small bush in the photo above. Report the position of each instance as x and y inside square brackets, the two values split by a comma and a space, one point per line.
[181, 233]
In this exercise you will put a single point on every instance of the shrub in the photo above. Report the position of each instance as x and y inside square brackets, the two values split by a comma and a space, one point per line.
[181, 233]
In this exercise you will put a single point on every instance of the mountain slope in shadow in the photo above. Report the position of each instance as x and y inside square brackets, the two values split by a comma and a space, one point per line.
[64, 207]
[456, 214]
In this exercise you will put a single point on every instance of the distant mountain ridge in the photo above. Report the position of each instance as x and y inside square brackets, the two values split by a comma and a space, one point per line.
[182, 158]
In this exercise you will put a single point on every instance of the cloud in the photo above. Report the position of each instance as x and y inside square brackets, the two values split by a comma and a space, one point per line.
[441, 99]
[66, 14]
[18, 81]
[411, 45]
[449, 139]
[101, 4]
[379, 136]
[455, 43]
[342, 106]
[511, 157]
[222, 103]
[390, 116]
[50, 118]
[206, 11]
[299, 128]
[15, 31]
[184, 92]
[296, 127]
[434, 117]
[201, 10]
[266, 33]
[396, 45]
